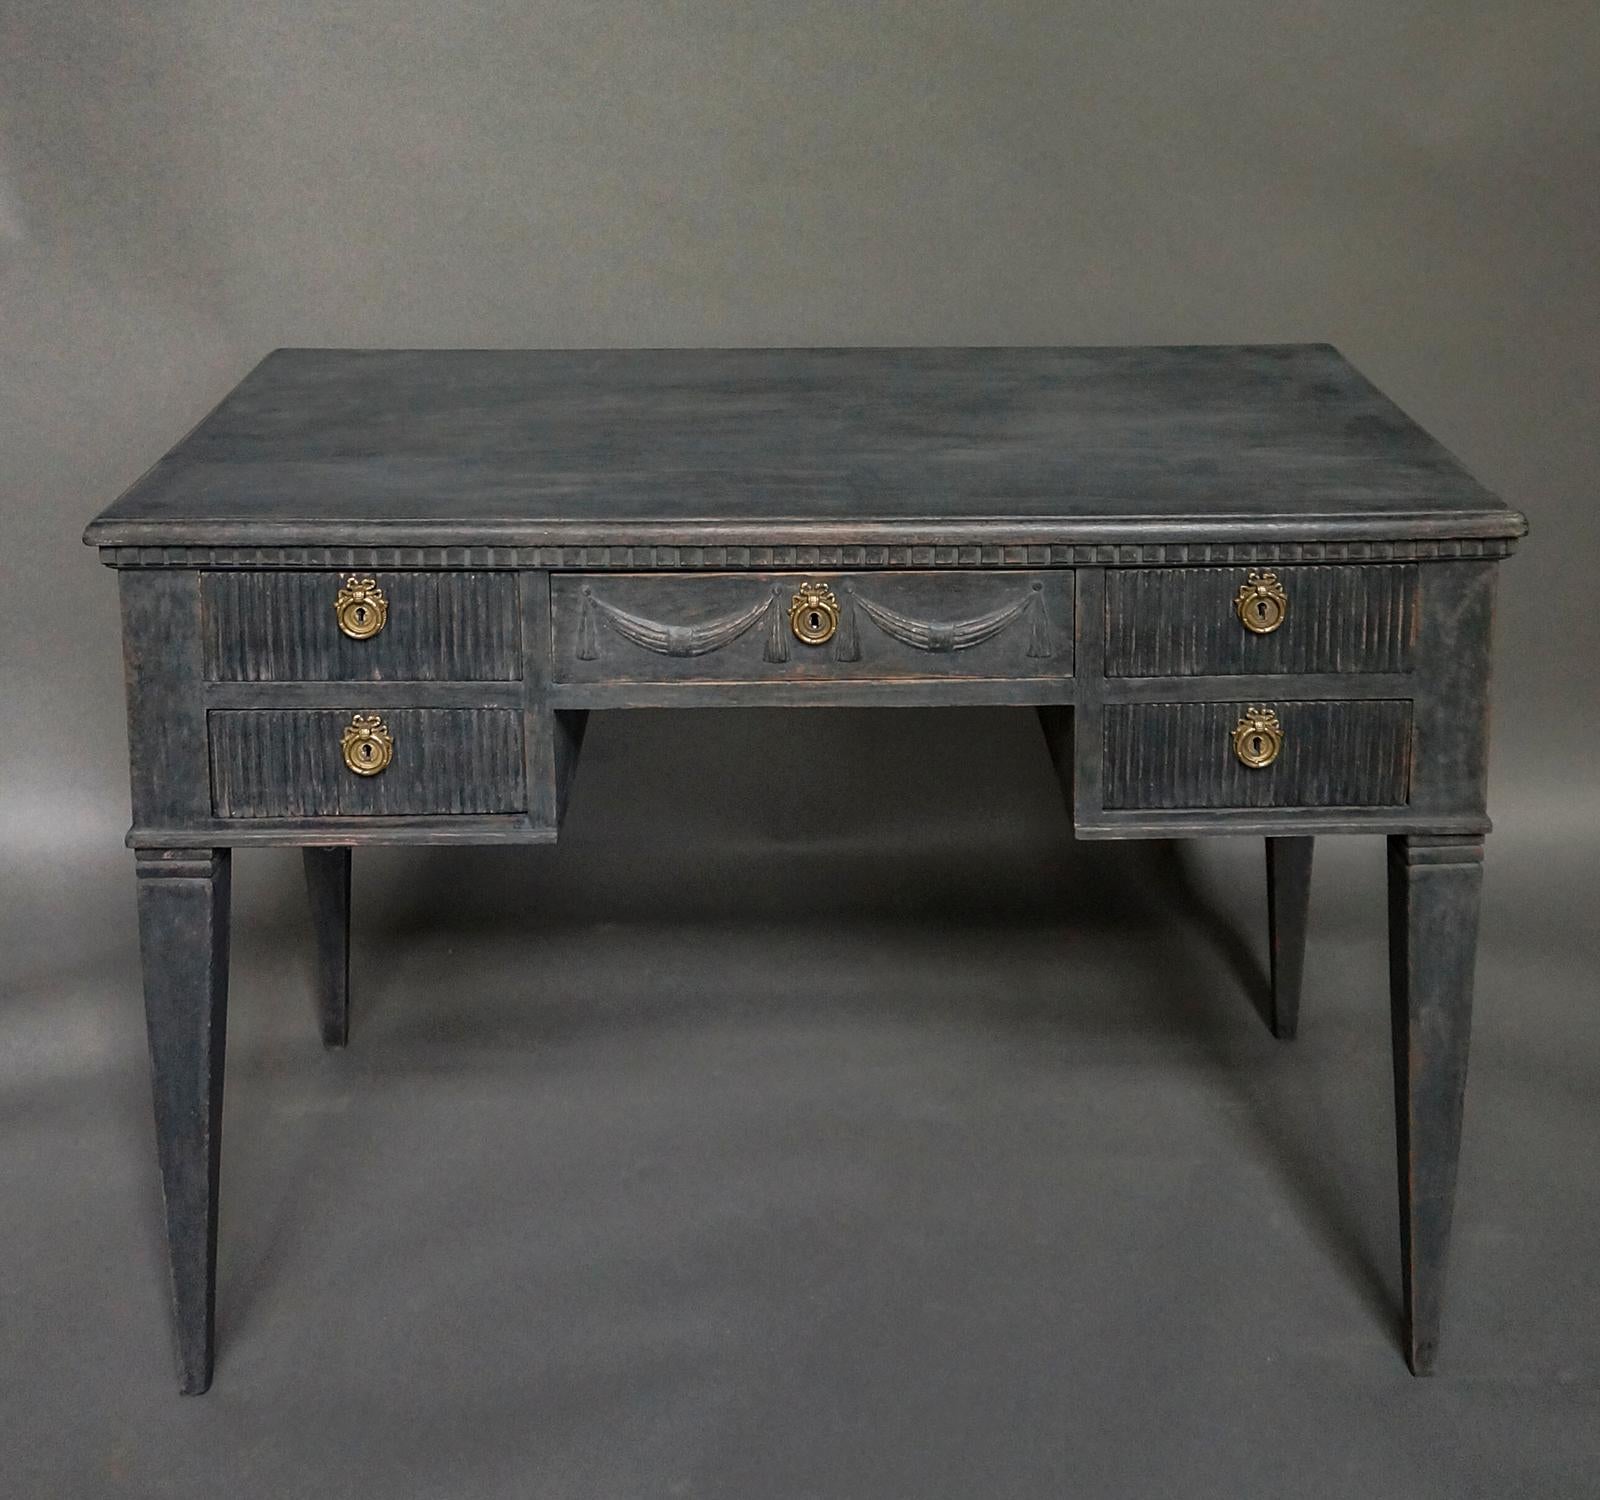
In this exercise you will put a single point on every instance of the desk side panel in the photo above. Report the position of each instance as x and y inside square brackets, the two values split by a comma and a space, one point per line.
[1450, 745]
[164, 669]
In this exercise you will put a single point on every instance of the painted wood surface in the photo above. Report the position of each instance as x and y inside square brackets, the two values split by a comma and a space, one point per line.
[1179, 755]
[735, 628]
[288, 763]
[183, 898]
[328, 891]
[722, 547]
[1288, 912]
[1434, 887]
[281, 627]
[468, 447]
[932, 489]
[1181, 622]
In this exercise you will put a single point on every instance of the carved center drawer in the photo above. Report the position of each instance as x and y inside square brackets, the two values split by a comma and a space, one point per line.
[318, 763]
[1195, 622]
[757, 627]
[1355, 753]
[360, 627]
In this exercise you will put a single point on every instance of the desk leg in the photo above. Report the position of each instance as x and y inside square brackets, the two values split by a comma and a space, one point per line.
[183, 941]
[328, 886]
[1433, 933]
[1288, 906]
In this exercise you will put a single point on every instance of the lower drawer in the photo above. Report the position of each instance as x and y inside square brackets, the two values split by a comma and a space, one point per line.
[1179, 755]
[292, 763]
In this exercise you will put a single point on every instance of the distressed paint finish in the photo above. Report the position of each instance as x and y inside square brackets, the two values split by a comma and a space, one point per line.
[164, 676]
[1434, 885]
[723, 547]
[281, 627]
[328, 891]
[1062, 529]
[278, 763]
[1181, 622]
[183, 944]
[892, 628]
[628, 446]
[552, 736]
[1181, 755]
[1288, 908]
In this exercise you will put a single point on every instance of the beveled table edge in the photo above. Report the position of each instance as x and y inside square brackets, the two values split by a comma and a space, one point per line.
[1496, 523]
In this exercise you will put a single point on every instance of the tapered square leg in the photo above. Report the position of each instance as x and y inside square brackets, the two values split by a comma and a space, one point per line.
[1288, 908]
[328, 886]
[183, 943]
[1434, 883]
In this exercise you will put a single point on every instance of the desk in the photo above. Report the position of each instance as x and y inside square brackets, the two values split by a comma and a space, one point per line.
[372, 597]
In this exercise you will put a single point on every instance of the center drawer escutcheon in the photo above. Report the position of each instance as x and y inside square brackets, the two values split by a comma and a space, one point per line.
[1351, 753]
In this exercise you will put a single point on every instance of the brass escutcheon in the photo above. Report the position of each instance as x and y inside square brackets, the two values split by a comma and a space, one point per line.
[361, 608]
[1258, 737]
[367, 744]
[814, 614]
[1261, 603]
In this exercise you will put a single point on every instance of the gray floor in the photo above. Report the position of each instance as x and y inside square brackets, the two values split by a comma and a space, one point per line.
[818, 1120]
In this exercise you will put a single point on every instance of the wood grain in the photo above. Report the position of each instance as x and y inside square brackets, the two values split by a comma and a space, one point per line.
[183, 906]
[894, 627]
[472, 447]
[1180, 622]
[1434, 889]
[1180, 755]
[280, 627]
[1048, 527]
[286, 763]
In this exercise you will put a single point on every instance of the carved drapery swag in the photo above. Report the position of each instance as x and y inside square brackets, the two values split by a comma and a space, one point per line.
[934, 636]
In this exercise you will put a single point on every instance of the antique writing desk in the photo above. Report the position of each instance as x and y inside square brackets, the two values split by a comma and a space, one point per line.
[370, 599]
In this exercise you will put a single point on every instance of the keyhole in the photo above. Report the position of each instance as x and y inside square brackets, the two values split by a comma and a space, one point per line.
[1261, 609]
[815, 619]
[366, 751]
[361, 614]
[1255, 744]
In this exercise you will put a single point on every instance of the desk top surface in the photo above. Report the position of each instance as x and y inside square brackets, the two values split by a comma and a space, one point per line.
[702, 445]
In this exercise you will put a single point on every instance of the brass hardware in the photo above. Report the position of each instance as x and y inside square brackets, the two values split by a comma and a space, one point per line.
[361, 608]
[1261, 603]
[367, 744]
[1258, 738]
[814, 614]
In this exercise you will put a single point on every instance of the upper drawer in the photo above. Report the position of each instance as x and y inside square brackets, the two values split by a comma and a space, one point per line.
[763, 627]
[419, 627]
[1187, 622]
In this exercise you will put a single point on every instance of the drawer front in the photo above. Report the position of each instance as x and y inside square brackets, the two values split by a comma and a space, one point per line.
[1184, 622]
[742, 627]
[290, 763]
[436, 627]
[1180, 755]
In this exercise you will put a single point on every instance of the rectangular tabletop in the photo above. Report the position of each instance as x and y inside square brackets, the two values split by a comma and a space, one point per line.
[690, 446]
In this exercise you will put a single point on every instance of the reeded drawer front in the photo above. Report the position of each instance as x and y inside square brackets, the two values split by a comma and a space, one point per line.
[1186, 622]
[418, 627]
[291, 763]
[1179, 755]
[771, 627]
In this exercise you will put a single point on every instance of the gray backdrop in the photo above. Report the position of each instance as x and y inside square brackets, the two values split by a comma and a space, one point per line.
[898, 1145]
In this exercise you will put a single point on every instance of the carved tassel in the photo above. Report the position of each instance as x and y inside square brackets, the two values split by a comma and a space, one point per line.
[777, 638]
[846, 642]
[1039, 643]
[588, 631]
